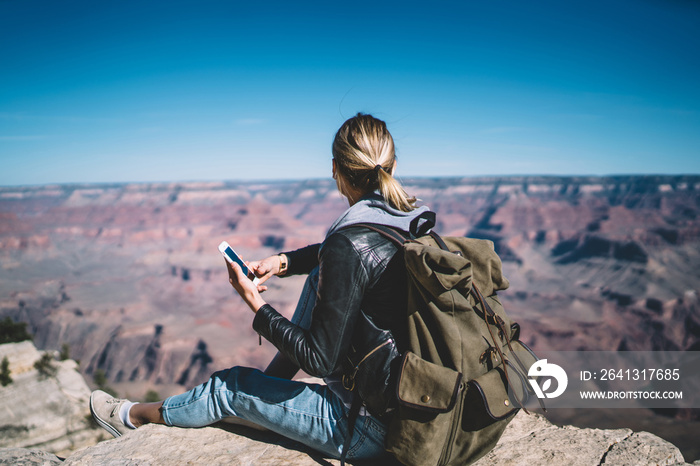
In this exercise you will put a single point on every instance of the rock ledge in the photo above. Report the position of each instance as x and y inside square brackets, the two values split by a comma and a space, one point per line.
[529, 439]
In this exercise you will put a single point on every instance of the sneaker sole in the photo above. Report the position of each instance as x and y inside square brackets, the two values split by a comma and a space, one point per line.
[104, 424]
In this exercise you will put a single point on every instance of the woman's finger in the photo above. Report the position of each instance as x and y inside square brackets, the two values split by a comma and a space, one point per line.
[263, 269]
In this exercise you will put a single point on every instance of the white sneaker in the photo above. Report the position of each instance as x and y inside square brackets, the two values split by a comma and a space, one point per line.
[105, 409]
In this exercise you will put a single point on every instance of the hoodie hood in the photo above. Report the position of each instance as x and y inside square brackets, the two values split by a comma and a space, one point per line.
[372, 208]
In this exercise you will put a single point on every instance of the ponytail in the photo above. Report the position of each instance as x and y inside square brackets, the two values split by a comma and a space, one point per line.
[392, 191]
[365, 157]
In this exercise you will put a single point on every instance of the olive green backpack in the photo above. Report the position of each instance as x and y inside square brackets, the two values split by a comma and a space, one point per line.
[464, 375]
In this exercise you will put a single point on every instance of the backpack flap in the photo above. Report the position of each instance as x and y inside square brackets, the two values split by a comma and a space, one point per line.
[427, 387]
[493, 389]
[436, 270]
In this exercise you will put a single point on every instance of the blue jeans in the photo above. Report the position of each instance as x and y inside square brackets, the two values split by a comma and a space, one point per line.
[308, 413]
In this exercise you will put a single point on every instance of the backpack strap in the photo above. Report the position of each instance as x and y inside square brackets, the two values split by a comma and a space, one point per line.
[395, 236]
[439, 241]
[352, 417]
[499, 323]
[418, 229]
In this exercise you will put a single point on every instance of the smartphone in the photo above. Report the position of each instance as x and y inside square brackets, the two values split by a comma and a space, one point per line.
[231, 256]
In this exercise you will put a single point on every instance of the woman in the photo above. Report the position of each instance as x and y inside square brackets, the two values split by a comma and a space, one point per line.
[356, 280]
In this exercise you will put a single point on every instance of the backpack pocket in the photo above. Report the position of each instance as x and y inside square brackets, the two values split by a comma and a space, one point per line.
[505, 387]
[427, 387]
[424, 418]
[519, 361]
[522, 356]
[492, 388]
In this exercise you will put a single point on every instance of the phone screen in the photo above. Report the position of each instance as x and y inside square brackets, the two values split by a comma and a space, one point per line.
[234, 257]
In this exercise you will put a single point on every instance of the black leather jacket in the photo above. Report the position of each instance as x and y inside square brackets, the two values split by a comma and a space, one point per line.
[358, 270]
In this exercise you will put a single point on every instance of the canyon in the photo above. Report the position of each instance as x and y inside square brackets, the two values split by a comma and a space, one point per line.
[130, 278]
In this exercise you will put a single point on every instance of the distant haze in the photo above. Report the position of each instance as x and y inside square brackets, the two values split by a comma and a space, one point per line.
[174, 91]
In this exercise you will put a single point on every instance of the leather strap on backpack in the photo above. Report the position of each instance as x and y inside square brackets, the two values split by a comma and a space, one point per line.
[488, 311]
[352, 417]
[499, 322]
[395, 236]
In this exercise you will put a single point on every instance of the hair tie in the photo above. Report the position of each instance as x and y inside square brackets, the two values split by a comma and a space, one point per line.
[377, 168]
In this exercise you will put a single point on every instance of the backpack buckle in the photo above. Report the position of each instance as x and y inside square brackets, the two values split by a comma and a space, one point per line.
[348, 382]
[489, 354]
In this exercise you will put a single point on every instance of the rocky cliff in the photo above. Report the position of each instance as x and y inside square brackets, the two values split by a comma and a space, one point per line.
[529, 439]
[46, 411]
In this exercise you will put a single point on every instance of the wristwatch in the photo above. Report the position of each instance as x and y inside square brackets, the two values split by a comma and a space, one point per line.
[284, 262]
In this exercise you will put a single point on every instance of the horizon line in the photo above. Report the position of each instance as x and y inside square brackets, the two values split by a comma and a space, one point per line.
[405, 180]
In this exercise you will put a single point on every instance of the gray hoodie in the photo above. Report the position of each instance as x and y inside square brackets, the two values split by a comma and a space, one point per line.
[372, 208]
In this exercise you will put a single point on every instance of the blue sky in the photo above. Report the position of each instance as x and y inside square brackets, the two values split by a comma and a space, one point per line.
[208, 90]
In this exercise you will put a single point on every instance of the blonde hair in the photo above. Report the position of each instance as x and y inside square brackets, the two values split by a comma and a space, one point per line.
[363, 150]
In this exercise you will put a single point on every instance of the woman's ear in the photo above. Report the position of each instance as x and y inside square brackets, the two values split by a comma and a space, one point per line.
[335, 170]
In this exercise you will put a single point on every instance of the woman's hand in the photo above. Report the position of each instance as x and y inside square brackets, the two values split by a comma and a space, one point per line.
[265, 268]
[249, 291]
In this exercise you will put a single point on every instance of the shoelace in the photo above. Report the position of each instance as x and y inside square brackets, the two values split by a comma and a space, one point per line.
[115, 410]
